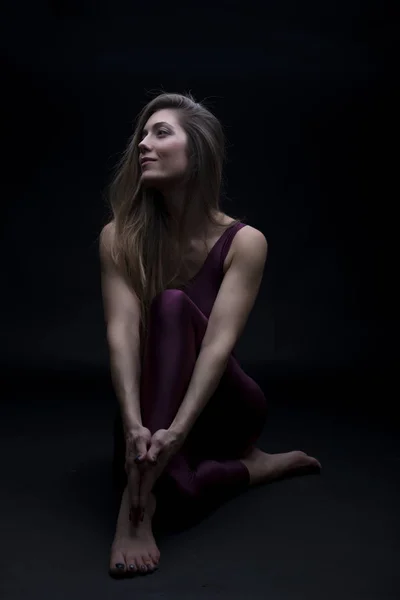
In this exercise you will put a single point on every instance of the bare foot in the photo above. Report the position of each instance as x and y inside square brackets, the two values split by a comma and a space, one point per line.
[265, 467]
[134, 549]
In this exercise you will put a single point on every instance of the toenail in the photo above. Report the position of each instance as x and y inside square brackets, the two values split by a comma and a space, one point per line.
[132, 567]
[143, 568]
[120, 566]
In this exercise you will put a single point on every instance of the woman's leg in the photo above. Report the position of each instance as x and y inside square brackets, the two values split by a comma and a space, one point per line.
[208, 463]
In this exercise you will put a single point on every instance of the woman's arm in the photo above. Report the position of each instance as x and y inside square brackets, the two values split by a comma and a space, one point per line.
[122, 313]
[232, 307]
[209, 368]
[125, 374]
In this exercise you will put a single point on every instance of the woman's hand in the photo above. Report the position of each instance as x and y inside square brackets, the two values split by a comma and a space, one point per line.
[137, 440]
[165, 443]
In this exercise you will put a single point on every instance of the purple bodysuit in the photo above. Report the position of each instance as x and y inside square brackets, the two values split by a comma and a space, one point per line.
[206, 469]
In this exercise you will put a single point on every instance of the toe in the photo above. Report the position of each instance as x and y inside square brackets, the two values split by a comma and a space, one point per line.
[317, 463]
[310, 460]
[117, 565]
[306, 459]
[142, 565]
[149, 563]
[131, 565]
[155, 559]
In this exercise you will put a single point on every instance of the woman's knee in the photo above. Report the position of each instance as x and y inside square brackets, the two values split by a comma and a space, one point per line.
[169, 303]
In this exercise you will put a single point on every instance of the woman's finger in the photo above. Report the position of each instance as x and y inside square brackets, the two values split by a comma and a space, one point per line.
[152, 454]
[141, 447]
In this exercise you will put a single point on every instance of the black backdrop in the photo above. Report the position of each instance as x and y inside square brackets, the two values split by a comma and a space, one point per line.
[308, 112]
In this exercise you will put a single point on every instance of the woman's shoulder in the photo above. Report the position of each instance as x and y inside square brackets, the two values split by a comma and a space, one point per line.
[108, 232]
[106, 241]
[109, 227]
[250, 239]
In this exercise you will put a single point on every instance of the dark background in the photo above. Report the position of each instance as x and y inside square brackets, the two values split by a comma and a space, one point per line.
[308, 110]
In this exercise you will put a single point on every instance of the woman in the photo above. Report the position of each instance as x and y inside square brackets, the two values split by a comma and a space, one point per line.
[179, 279]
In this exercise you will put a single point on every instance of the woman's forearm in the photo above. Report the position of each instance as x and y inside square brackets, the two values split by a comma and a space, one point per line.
[125, 366]
[208, 370]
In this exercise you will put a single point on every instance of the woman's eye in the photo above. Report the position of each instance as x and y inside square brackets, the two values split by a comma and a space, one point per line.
[159, 131]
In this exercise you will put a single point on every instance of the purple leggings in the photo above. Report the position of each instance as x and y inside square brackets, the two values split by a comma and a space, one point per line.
[207, 465]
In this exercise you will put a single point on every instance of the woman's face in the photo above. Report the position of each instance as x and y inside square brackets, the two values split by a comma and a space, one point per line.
[164, 141]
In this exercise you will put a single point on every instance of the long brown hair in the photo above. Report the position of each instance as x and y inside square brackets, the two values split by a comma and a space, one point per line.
[143, 248]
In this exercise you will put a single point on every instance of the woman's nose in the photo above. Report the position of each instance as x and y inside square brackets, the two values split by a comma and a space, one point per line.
[143, 144]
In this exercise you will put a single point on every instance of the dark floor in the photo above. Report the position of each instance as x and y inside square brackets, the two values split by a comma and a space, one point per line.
[329, 536]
